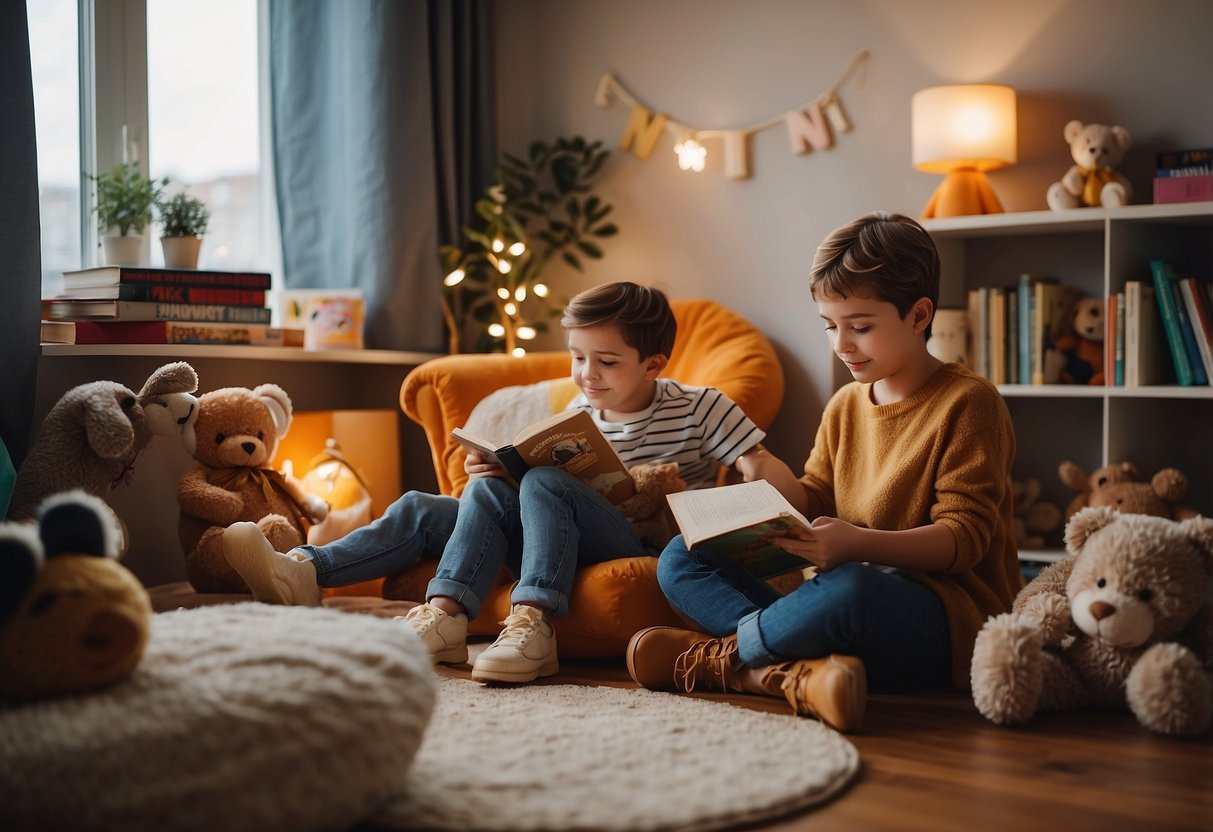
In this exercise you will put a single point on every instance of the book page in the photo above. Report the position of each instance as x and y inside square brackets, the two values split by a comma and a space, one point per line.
[474, 443]
[708, 512]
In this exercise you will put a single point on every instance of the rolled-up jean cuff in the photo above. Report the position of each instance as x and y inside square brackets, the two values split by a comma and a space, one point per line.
[750, 647]
[549, 599]
[453, 589]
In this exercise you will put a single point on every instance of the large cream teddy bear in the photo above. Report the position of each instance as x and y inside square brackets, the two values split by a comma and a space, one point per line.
[1092, 181]
[234, 441]
[1125, 623]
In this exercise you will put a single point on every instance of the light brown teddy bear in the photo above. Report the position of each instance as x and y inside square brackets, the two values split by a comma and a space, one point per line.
[234, 441]
[647, 509]
[1125, 623]
[1116, 486]
[1092, 181]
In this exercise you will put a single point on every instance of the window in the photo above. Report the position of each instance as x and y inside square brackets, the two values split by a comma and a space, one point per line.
[178, 86]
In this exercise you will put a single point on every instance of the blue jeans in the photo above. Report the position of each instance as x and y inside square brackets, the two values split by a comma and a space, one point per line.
[542, 531]
[897, 627]
[415, 526]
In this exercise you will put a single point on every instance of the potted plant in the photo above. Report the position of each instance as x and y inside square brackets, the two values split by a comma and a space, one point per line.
[124, 208]
[183, 220]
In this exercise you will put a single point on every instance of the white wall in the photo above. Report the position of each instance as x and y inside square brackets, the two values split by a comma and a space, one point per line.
[722, 64]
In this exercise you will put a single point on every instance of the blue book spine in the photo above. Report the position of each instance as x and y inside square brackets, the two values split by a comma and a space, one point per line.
[1199, 376]
[1164, 295]
[1025, 330]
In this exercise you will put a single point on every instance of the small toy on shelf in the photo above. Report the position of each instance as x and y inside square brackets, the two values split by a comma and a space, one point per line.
[1116, 486]
[1035, 518]
[1092, 181]
[1083, 345]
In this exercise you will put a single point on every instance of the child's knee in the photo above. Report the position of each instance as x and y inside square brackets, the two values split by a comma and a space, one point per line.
[674, 562]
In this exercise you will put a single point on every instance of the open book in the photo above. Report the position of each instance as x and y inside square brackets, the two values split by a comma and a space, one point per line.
[569, 440]
[740, 520]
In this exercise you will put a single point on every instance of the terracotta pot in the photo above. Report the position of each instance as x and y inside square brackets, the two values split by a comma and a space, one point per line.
[181, 252]
[123, 250]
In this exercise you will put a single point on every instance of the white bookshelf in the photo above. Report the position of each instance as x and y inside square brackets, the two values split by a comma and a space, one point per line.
[1095, 250]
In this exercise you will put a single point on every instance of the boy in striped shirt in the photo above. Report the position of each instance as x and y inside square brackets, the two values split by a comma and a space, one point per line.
[620, 336]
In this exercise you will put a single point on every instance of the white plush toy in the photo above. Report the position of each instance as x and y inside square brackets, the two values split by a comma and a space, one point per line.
[1092, 181]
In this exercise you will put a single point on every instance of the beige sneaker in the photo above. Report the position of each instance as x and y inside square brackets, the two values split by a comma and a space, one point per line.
[525, 650]
[444, 634]
[273, 577]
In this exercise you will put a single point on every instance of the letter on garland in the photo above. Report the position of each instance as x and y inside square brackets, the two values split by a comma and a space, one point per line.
[642, 132]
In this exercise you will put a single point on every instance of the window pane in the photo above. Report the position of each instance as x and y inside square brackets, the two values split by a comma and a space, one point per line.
[53, 37]
[203, 122]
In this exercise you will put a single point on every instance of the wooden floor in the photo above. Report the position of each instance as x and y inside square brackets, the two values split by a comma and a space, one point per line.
[932, 763]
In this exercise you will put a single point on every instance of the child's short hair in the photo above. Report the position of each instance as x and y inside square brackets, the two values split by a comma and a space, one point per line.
[642, 314]
[886, 256]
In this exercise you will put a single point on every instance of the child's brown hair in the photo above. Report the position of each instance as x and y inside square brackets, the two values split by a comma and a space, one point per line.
[886, 256]
[642, 314]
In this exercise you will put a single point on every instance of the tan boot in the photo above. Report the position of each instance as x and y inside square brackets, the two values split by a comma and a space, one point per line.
[833, 690]
[671, 658]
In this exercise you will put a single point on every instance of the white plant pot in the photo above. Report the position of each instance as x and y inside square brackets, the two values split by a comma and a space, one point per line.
[123, 250]
[181, 252]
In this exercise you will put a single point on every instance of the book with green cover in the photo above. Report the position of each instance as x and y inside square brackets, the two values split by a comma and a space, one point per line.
[1164, 297]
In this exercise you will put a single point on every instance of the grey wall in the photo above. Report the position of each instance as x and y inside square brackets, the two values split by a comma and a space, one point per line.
[721, 64]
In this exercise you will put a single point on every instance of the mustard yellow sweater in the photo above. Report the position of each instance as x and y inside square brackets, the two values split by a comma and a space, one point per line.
[943, 455]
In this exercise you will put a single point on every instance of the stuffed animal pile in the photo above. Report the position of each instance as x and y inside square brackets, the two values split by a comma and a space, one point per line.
[1116, 486]
[1035, 517]
[1092, 181]
[72, 619]
[234, 440]
[1125, 623]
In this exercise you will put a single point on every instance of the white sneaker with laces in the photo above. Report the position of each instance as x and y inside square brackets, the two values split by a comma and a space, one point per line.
[272, 577]
[444, 634]
[525, 650]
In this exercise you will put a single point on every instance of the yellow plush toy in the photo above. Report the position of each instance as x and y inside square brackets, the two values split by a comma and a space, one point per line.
[72, 619]
[234, 440]
[1092, 181]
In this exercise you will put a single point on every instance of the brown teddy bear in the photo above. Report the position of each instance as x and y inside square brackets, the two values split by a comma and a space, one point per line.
[1092, 181]
[234, 440]
[1116, 486]
[1083, 345]
[647, 509]
[72, 619]
[1125, 623]
[1034, 518]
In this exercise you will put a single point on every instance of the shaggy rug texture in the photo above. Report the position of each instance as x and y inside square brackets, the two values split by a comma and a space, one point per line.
[239, 717]
[563, 757]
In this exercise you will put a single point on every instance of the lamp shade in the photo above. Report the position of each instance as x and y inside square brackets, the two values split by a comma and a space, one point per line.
[963, 126]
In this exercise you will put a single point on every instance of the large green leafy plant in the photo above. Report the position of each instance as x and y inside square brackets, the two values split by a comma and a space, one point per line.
[125, 198]
[541, 207]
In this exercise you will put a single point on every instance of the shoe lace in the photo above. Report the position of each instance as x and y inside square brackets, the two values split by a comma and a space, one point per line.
[519, 626]
[420, 618]
[707, 664]
[793, 679]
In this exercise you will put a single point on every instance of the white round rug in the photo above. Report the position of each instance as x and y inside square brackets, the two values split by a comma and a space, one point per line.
[563, 757]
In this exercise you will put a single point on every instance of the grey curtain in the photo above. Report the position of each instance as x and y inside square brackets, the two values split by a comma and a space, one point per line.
[20, 240]
[383, 135]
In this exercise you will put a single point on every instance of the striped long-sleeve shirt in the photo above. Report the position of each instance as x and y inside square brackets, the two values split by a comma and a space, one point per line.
[700, 428]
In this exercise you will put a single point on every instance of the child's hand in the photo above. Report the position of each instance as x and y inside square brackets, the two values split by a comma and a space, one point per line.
[830, 543]
[479, 466]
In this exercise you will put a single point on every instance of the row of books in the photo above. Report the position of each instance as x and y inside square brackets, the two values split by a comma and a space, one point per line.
[138, 305]
[1156, 330]
[1183, 175]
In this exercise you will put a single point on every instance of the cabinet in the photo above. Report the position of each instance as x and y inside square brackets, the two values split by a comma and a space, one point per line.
[1095, 250]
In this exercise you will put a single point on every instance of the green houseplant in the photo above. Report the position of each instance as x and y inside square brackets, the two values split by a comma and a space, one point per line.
[124, 209]
[183, 221]
[541, 207]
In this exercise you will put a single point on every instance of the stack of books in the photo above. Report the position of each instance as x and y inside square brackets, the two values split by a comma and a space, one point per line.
[1185, 316]
[1012, 328]
[140, 305]
[1183, 175]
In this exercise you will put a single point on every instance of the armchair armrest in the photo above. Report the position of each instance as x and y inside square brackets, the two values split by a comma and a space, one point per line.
[439, 395]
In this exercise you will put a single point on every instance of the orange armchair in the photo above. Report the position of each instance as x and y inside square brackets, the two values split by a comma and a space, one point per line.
[714, 348]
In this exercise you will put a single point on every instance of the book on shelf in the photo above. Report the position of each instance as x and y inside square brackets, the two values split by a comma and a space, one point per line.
[166, 293]
[139, 310]
[1196, 304]
[1147, 361]
[1192, 188]
[978, 308]
[1183, 157]
[1025, 304]
[1168, 312]
[569, 440]
[58, 332]
[183, 332]
[740, 521]
[1052, 303]
[997, 349]
[1114, 374]
[114, 275]
[1011, 293]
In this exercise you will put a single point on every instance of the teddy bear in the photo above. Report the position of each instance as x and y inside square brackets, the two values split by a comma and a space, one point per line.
[1083, 345]
[647, 509]
[1092, 181]
[1116, 486]
[1034, 518]
[92, 436]
[72, 618]
[233, 441]
[1124, 623]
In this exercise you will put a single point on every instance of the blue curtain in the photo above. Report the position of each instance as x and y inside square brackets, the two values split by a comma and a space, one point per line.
[20, 241]
[383, 135]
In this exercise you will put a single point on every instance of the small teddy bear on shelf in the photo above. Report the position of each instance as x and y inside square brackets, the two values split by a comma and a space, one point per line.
[234, 441]
[1035, 518]
[1083, 346]
[1116, 486]
[1092, 181]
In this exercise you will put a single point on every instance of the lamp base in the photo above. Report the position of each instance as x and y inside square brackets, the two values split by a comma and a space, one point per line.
[963, 191]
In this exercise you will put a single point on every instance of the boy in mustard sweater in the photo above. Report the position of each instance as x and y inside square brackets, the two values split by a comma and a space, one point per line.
[909, 482]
